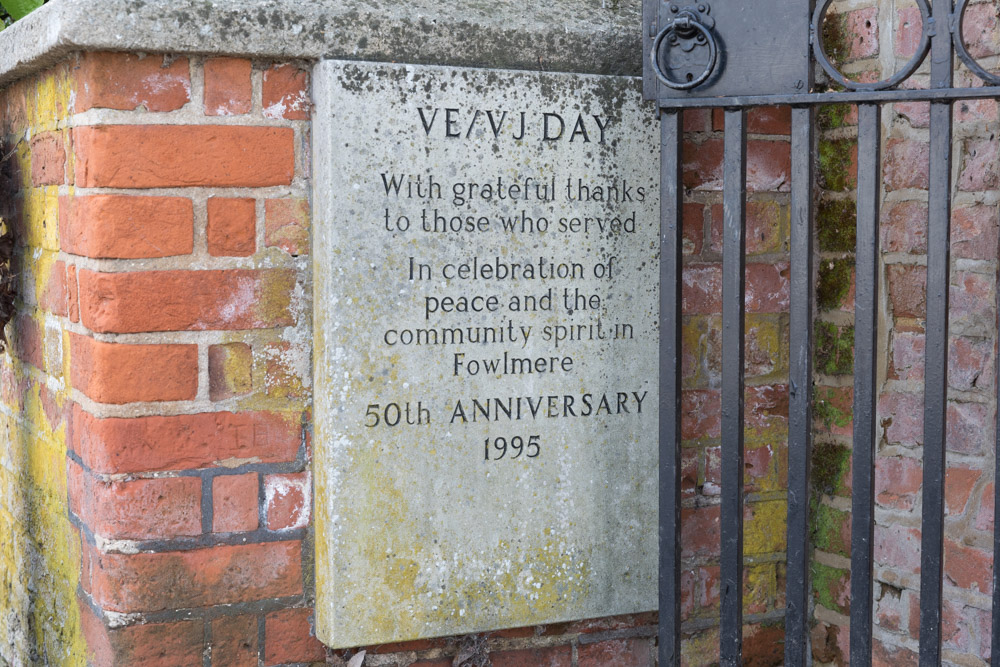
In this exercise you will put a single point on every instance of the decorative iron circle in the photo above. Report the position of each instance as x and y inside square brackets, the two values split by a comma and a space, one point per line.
[713, 52]
[963, 52]
[819, 51]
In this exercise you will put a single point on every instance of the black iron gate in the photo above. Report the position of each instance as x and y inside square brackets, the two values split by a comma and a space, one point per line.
[731, 55]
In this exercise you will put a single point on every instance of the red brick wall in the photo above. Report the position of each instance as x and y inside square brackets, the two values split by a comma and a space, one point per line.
[164, 328]
[889, 38]
[766, 349]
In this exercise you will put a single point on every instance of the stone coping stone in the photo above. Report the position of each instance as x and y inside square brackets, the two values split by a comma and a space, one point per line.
[587, 36]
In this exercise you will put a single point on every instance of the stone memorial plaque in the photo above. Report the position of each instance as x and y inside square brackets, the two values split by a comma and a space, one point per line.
[486, 300]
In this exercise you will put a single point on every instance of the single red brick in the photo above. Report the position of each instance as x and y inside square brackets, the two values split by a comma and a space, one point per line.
[897, 481]
[234, 503]
[282, 373]
[553, 656]
[968, 567]
[767, 287]
[987, 509]
[764, 232]
[186, 300]
[152, 156]
[907, 362]
[119, 373]
[230, 370]
[48, 159]
[701, 291]
[234, 641]
[232, 227]
[958, 485]
[905, 228]
[909, 27]
[903, 417]
[288, 500]
[974, 232]
[969, 428]
[862, 27]
[224, 574]
[128, 445]
[700, 531]
[288, 637]
[227, 87]
[624, 652]
[286, 93]
[701, 411]
[969, 360]
[27, 344]
[126, 227]
[127, 81]
[141, 509]
[979, 166]
[906, 164]
[73, 293]
[906, 290]
[972, 303]
[53, 297]
[179, 644]
[286, 225]
[897, 547]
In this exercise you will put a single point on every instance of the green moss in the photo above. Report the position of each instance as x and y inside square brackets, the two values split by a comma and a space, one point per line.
[835, 156]
[836, 225]
[829, 529]
[834, 349]
[830, 464]
[826, 411]
[831, 587]
[832, 116]
[834, 283]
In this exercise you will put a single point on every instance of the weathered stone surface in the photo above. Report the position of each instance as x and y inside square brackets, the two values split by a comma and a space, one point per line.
[563, 35]
[419, 531]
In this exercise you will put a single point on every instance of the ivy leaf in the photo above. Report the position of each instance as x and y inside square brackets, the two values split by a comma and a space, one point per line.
[18, 9]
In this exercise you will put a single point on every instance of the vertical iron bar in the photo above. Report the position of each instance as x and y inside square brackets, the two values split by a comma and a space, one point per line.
[995, 648]
[670, 387]
[935, 384]
[936, 346]
[865, 323]
[800, 389]
[733, 266]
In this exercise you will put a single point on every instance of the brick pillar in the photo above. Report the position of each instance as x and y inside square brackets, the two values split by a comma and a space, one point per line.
[184, 234]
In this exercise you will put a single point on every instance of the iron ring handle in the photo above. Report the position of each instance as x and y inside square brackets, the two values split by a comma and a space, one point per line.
[686, 21]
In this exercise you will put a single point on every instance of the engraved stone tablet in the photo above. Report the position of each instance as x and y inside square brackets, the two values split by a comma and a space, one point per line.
[486, 302]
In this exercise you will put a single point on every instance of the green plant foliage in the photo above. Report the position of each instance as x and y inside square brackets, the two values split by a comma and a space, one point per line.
[834, 283]
[834, 351]
[835, 222]
[18, 9]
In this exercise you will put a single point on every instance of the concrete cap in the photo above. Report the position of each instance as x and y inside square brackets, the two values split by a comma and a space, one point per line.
[591, 36]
